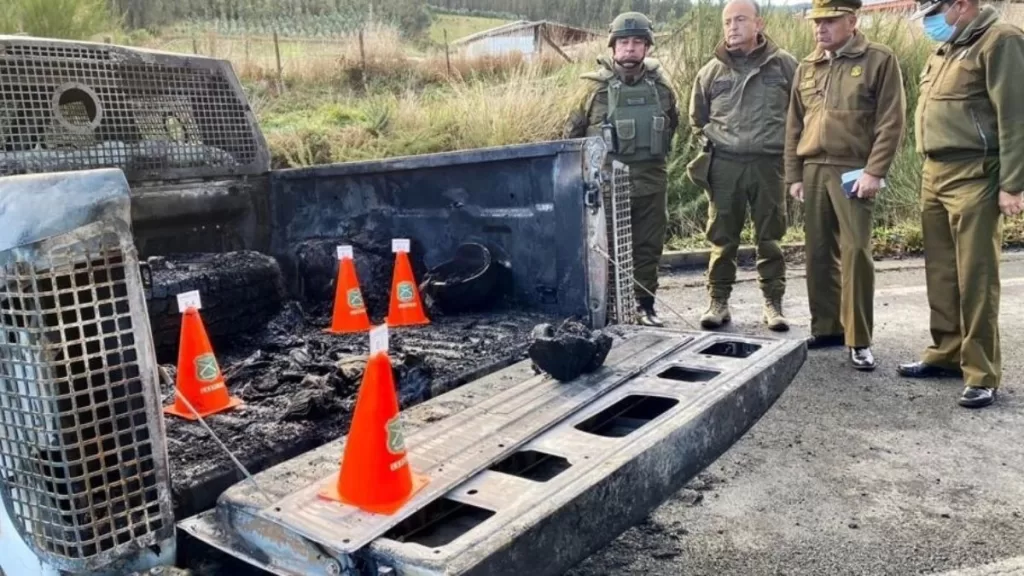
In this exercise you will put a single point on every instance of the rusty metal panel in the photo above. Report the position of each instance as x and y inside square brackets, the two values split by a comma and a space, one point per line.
[618, 212]
[83, 465]
[463, 445]
[77, 105]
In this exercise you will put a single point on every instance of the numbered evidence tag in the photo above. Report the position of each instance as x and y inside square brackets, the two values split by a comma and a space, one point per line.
[344, 252]
[400, 245]
[188, 300]
[379, 339]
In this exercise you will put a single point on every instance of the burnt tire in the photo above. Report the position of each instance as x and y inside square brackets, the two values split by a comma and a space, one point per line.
[240, 293]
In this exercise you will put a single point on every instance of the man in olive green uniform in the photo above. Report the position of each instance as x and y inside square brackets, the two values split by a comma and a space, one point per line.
[630, 98]
[846, 114]
[970, 128]
[738, 110]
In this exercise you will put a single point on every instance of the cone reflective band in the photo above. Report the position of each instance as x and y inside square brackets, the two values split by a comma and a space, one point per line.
[349, 307]
[406, 307]
[199, 379]
[375, 474]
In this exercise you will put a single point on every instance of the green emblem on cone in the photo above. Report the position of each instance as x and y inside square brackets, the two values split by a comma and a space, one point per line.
[355, 298]
[206, 368]
[396, 439]
[405, 292]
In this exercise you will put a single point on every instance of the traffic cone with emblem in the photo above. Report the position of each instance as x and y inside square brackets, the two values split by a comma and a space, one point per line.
[200, 386]
[349, 309]
[406, 308]
[375, 473]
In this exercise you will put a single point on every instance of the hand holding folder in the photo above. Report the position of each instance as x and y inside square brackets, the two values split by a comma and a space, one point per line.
[849, 179]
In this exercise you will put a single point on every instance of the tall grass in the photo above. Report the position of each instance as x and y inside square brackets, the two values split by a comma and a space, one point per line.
[68, 19]
[415, 106]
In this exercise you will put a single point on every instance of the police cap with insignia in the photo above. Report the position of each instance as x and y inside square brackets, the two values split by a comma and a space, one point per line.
[833, 8]
[926, 8]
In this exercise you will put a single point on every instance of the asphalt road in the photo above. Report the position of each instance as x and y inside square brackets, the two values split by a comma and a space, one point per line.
[850, 473]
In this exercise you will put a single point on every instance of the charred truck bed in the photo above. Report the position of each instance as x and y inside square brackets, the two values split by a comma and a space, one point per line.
[209, 214]
[298, 385]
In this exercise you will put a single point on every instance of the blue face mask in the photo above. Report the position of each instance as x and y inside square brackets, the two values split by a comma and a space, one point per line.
[937, 29]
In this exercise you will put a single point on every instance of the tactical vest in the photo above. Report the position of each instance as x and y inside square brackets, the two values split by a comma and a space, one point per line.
[637, 121]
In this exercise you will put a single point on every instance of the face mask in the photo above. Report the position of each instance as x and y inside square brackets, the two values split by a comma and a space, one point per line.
[937, 29]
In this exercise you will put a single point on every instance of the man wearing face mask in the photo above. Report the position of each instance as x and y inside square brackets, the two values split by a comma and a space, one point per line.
[738, 110]
[846, 114]
[970, 129]
[630, 102]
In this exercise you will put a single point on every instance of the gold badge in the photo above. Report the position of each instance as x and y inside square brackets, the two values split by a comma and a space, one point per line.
[857, 71]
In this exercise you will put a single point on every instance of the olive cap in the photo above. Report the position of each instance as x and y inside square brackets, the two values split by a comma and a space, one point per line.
[833, 8]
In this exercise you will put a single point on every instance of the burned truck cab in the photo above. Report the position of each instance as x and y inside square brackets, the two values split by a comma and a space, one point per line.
[134, 176]
[148, 172]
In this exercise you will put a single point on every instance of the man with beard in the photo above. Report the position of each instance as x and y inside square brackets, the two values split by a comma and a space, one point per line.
[630, 102]
[738, 111]
[844, 127]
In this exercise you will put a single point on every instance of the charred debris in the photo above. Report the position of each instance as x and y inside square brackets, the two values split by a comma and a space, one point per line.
[298, 383]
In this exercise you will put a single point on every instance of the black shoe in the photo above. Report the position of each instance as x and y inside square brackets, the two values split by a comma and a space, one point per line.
[922, 370]
[646, 316]
[862, 358]
[825, 341]
[977, 397]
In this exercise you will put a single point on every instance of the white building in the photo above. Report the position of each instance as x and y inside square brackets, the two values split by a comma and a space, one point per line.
[527, 38]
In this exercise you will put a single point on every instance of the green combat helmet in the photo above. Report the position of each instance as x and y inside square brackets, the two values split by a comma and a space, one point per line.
[630, 24]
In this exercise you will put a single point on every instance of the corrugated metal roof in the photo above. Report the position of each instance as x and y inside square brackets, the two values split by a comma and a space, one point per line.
[524, 25]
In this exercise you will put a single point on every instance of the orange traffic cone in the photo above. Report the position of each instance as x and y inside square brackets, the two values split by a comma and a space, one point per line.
[199, 377]
[349, 309]
[406, 308]
[375, 475]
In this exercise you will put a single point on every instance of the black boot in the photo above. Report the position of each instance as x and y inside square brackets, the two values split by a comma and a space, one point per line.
[922, 370]
[977, 397]
[646, 316]
[862, 358]
[825, 341]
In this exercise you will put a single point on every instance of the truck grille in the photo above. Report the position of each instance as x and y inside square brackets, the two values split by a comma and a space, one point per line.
[621, 295]
[82, 461]
[76, 106]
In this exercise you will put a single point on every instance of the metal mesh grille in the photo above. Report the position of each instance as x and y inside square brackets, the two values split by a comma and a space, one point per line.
[621, 295]
[78, 459]
[65, 106]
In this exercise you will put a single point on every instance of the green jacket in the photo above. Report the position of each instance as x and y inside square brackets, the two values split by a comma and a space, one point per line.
[739, 102]
[972, 98]
[847, 111]
[639, 136]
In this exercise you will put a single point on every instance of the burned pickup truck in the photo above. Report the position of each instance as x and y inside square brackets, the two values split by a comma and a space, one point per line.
[128, 177]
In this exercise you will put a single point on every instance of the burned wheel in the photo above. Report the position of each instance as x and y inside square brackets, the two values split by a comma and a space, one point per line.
[240, 292]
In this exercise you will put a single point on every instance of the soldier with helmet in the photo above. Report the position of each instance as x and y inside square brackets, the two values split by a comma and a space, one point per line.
[629, 100]
[970, 128]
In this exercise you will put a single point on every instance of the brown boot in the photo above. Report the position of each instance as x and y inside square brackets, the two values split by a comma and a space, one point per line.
[773, 315]
[716, 314]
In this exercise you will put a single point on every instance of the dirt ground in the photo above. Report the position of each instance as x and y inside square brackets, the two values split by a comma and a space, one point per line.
[850, 473]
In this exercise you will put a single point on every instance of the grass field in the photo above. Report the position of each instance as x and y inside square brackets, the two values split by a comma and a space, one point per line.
[340, 99]
[404, 100]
